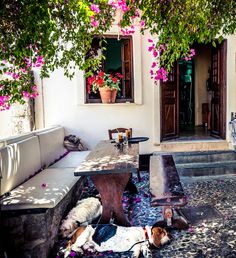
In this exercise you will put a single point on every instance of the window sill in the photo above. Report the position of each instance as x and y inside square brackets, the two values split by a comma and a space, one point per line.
[111, 104]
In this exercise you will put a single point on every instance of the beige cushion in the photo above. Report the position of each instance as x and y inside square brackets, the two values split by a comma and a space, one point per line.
[71, 160]
[51, 145]
[41, 130]
[18, 162]
[33, 193]
[13, 139]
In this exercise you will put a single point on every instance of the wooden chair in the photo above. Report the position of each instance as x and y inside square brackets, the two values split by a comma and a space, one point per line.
[121, 130]
[117, 130]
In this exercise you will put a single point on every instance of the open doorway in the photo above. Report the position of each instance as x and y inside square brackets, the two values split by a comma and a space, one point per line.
[186, 96]
[193, 100]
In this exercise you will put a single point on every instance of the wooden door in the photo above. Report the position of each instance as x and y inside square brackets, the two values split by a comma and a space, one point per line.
[218, 102]
[126, 55]
[170, 106]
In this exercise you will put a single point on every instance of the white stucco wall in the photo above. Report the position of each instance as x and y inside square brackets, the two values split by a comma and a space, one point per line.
[231, 79]
[202, 62]
[64, 102]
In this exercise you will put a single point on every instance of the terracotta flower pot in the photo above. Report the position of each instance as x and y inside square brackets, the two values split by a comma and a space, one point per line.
[107, 95]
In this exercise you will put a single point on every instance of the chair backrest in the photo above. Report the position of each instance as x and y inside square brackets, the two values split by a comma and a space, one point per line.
[116, 131]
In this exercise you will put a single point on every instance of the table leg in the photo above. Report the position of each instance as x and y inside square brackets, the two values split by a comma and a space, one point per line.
[111, 188]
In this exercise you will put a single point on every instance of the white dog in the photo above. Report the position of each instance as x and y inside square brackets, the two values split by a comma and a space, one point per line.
[103, 238]
[85, 211]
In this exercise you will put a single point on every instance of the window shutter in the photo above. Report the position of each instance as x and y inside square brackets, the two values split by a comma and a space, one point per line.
[126, 68]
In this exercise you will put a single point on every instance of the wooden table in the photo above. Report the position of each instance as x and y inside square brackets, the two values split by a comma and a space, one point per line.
[110, 169]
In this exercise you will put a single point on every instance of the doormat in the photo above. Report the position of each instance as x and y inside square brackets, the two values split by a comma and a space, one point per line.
[199, 214]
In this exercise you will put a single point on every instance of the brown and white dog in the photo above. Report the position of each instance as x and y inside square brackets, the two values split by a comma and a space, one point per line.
[109, 237]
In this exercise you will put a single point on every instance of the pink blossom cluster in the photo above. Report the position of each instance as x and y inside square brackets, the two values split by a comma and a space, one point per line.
[142, 23]
[14, 75]
[128, 31]
[119, 4]
[152, 48]
[190, 55]
[161, 73]
[3, 103]
[93, 21]
[95, 8]
[33, 94]
[38, 63]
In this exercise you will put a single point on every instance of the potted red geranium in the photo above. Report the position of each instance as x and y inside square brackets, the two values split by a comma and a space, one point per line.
[107, 85]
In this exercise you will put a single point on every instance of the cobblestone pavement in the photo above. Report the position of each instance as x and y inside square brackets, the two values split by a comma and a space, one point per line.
[216, 238]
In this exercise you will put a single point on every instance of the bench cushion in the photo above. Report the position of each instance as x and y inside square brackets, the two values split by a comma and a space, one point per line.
[18, 162]
[71, 160]
[51, 145]
[44, 190]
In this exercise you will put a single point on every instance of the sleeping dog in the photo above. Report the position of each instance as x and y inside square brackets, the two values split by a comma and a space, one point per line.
[104, 238]
[85, 211]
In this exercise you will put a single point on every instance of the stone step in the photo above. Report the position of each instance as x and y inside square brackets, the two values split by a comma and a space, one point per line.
[204, 163]
[211, 171]
[201, 156]
[205, 157]
[178, 146]
[197, 165]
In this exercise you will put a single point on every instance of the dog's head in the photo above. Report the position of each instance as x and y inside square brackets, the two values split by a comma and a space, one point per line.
[67, 227]
[159, 236]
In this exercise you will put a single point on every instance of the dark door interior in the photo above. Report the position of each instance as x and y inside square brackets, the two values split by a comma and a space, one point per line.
[186, 96]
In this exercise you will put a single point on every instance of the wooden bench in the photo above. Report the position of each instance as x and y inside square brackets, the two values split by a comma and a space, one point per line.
[165, 185]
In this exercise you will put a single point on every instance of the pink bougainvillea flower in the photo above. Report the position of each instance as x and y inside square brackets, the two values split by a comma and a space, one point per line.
[154, 64]
[15, 76]
[142, 23]
[73, 253]
[93, 22]
[151, 48]
[150, 40]
[44, 185]
[155, 53]
[95, 8]
[161, 74]
[137, 199]
[193, 52]
[151, 72]
[119, 4]
[191, 230]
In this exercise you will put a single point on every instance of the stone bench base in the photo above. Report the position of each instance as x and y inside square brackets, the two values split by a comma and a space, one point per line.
[32, 233]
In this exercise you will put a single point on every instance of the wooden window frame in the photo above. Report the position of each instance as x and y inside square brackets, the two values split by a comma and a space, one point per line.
[123, 100]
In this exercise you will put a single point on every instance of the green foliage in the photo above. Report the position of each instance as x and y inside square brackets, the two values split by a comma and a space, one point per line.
[61, 31]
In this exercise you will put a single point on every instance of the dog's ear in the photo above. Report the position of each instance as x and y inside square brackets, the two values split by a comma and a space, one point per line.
[77, 233]
[157, 234]
[77, 223]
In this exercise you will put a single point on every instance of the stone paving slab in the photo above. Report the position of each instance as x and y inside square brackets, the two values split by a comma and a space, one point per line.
[210, 239]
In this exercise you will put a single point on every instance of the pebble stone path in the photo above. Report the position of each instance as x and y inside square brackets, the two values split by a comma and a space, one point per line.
[208, 239]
